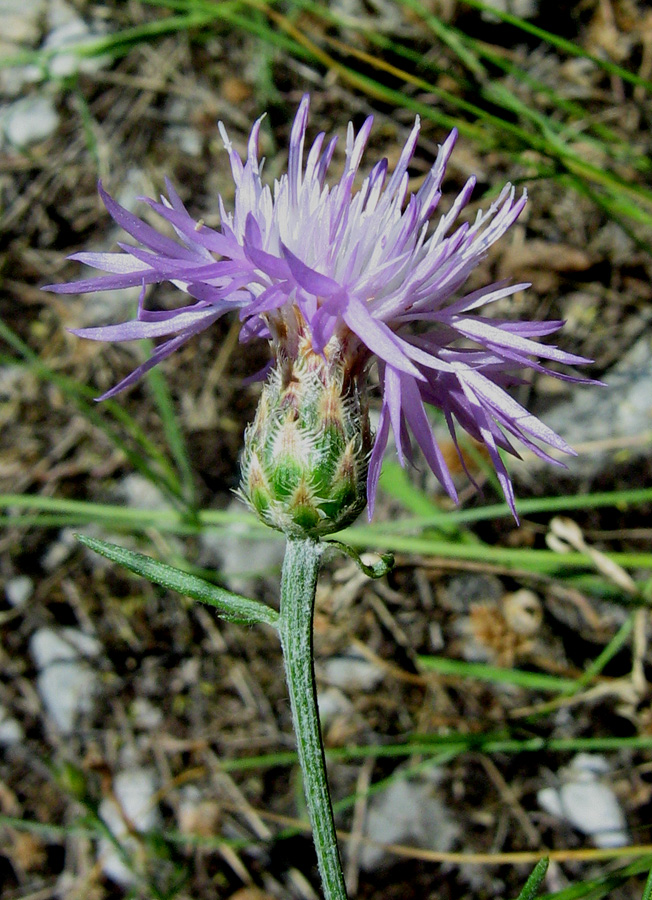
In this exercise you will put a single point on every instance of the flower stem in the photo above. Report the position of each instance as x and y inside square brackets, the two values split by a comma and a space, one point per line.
[298, 585]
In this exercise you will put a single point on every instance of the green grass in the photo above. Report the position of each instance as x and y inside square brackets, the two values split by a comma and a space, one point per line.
[485, 109]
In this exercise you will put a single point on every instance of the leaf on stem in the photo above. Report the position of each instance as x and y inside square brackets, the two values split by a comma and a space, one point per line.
[231, 607]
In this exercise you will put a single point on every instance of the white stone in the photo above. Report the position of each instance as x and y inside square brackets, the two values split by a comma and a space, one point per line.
[17, 381]
[49, 645]
[145, 715]
[135, 802]
[198, 816]
[139, 492]
[186, 138]
[28, 121]
[132, 187]
[524, 9]
[59, 551]
[239, 558]
[20, 30]
[586, 801]
[67, 684]
[11, 731]
[68, 35]
[65, 28]
[352, 672]
[613, 420]
[18, 590]
[332, 704]
[20, 20]
[61, 13]
[408, 812]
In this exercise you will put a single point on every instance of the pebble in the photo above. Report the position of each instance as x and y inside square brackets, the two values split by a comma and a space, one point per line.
[140, 493]
[28, 121]
[332, 704]
[407, 812]
[66, 682]
[185, 136]
[462, 591]
[586, 801]
[16, 380]
[67, 29]
[105, 306]
[135, 793]
[18, 590]
[144, 714]
[59, 551]
[11, 731]
[617, 415]
[20, 20]
[197, 816]
[524, 9]
[240, 559]
[188, 139]
[351, 672]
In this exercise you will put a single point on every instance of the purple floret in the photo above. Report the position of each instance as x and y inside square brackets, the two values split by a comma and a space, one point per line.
[355, 266]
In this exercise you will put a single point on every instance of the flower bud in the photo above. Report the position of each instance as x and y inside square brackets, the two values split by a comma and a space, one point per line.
[306, 454]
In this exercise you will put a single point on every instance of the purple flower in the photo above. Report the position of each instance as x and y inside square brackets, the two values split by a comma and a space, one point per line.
[308, 261]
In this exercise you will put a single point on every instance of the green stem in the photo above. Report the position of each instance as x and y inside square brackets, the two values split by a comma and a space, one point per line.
[298, 584]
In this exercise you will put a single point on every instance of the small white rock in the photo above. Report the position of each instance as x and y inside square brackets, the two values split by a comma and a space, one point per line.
[332, 703]
[140, 493]
[48, 646]
[59, 551]
[145, 714]
[587, 802]
[196, 815]
[20, 20]
[135, 802]
[352, 672]
[408, 812]
[186, 138]
[239, 558]
[11, 731]
[524, 9]
[18, 590]
[28, 121]
[66, 29]
[66, 683]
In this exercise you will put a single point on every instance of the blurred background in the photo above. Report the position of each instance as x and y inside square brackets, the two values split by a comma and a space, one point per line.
[485, 704]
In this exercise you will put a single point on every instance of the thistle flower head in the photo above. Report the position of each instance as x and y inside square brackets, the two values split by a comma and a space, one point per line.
[306, 454]
[325, 271]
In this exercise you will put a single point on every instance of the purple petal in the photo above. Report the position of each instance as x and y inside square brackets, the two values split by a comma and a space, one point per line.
[161, 353]
[200, 234]
[392, 399]
[422, 430]
[105, 283]
[489, 334]
[376, 460]
[307, 278]
[135, 330]
[295, 154]
[378, 338]
[139, 230]
[118, 263]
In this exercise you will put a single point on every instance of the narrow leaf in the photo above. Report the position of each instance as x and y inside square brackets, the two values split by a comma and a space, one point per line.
[532, 885]
[232, 607]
